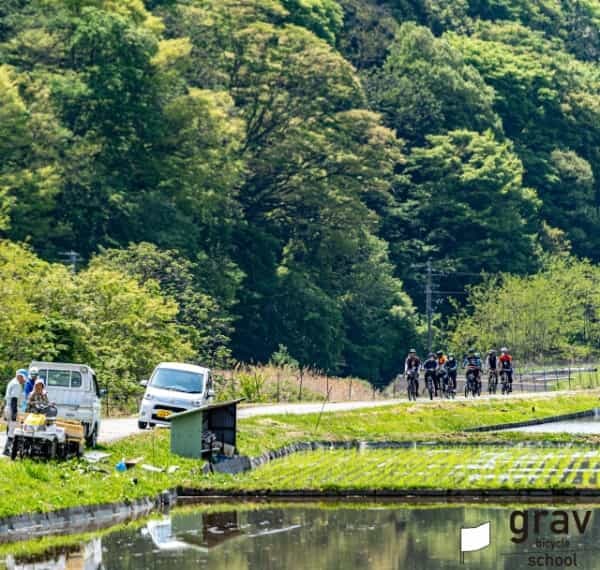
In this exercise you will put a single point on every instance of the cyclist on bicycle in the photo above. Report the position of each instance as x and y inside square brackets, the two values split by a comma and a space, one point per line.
[440, 373]
[506, 365]
[412, 364]
[430, 366]
[491, 364]
[473, 363]
[451, 366]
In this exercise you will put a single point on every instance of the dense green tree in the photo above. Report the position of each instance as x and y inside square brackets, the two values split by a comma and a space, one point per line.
[207, 323]
[549, 315]
[469, 209]
[367, 33]
[275, 172]
[425, 87]
[322, 17]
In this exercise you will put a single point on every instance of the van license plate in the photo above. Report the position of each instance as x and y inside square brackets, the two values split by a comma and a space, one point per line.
[163, 414]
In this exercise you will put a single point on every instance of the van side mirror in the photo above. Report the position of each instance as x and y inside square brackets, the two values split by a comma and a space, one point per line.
[144, 383]
[210, 394]
[102, 392]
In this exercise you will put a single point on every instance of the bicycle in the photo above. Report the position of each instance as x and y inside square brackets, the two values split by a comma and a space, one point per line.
[430, 383]
[505, 381]
[492, 381]
[412, 380]
[472, 385]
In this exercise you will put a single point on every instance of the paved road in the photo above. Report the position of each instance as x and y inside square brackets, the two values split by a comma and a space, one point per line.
[114, 429]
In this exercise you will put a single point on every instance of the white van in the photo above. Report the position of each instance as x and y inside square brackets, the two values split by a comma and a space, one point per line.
[173, 387]
[74, 389]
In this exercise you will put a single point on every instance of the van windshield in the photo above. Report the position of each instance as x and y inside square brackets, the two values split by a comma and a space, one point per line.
[178, 380]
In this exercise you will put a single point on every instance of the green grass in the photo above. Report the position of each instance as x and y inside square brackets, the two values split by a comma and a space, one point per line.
[27, 486]
[435, 420]
[470, 468]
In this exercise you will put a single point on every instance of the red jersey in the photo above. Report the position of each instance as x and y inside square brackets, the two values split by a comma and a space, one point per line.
[505, 361]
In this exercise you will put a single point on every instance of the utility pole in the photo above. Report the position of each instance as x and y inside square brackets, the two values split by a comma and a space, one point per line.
[71, 258]
[429, 303]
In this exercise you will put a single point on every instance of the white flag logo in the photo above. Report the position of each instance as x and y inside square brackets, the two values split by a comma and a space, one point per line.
[476, 538]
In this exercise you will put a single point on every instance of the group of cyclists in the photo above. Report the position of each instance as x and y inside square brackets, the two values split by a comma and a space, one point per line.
[441, 373]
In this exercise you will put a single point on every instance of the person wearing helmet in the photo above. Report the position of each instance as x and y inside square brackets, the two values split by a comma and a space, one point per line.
[430, 367]
[33, 375]
[12, 401]
[412, 364]
[491, 365]
[491, 360]
[506, 365]
[451, 366]
[440, 372]
[441, 358]
[412, 361]
[473, 362]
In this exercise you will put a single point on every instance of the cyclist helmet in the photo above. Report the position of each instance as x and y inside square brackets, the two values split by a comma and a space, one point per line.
[504, 349]
[440, 353]
[478, 355]
[430, 355]
[450, 355]
[471, 350]
[34, 372]
[412, 351]
[491, 351]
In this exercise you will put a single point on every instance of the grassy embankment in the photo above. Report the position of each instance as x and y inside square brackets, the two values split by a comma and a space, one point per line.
[28, 486]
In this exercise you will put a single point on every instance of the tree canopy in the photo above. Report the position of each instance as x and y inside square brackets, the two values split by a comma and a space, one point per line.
[278, 172]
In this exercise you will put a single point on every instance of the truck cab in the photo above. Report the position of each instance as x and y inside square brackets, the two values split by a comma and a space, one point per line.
[174, 387]
[74, 389]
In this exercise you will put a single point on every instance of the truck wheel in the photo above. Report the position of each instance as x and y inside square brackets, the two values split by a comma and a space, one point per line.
[142, 425]
[52, 449]
[92, 438]
[14, 449]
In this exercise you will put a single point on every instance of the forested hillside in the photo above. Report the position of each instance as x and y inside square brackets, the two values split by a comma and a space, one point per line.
[237, 175]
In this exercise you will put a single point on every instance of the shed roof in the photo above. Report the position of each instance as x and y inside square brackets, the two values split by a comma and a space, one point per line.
[206, 407]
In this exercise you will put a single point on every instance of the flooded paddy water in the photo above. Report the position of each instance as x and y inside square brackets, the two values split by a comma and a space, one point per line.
[302, 536]
[587, 425]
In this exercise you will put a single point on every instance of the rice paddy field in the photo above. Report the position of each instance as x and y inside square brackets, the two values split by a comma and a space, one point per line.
[33, 486]
[458, 468]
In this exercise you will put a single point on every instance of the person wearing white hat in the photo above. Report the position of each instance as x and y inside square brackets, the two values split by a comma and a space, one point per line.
[14, 397]
[38, 397]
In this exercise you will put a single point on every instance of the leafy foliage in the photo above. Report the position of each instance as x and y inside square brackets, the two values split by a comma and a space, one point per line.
[275, 172]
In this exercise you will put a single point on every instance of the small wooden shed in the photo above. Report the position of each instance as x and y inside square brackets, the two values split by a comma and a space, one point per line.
[192, 430]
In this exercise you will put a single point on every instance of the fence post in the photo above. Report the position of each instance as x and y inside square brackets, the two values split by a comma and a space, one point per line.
[569, 376]
[301, 379]
[278, 384]
[350, 390]
[521, 379]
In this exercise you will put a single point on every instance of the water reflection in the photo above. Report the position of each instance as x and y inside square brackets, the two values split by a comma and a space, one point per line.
[587, 425]
[87, 556]
[300, 537]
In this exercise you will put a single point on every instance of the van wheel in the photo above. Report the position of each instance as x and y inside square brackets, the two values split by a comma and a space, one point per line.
[142, 425]
[92, 438]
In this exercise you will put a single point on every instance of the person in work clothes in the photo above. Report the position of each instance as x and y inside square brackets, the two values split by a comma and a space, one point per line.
[38, 397]
[12, 402]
